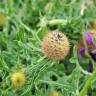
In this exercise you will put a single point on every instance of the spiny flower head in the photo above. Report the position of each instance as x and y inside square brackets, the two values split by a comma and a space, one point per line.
[18, 78]
[55, 45]
[53, 93]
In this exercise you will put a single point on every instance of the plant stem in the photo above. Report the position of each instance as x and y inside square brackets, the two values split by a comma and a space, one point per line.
[88, 84]
[57, 21]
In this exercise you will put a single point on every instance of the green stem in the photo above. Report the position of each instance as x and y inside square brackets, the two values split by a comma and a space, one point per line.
[10, 8]
[57, 21]
[88, 84]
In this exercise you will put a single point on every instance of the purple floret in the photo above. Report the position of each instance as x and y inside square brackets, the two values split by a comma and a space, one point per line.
[88, 37]
[81, 51]
[90, 67]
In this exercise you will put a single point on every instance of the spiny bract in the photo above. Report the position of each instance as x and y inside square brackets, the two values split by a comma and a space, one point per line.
[93, 24]
[53, 93]
[18, 78]
[55, 45]
[93, 32]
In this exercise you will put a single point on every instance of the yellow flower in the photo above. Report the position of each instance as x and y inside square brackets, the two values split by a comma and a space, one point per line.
[18, 78]
[53, 93]
[2, 19]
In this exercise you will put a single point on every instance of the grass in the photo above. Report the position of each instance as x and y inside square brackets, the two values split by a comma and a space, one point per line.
[27, 22]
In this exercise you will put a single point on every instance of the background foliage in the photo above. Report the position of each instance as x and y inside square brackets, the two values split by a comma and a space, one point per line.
[27, 21]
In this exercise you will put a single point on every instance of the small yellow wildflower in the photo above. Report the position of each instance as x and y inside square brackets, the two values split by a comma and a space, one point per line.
[2, 19]
[18, 78]
[53, 93]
